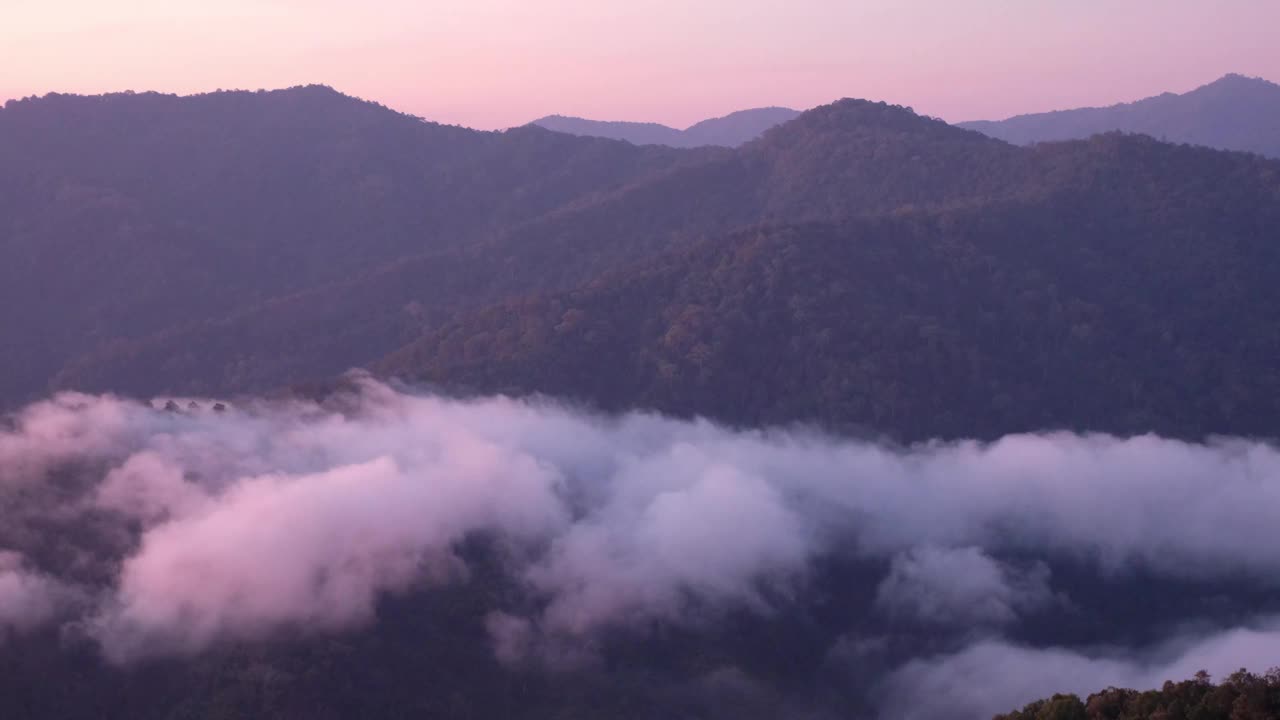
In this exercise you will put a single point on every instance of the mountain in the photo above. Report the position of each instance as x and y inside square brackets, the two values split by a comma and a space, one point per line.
[124, 215]
[1111, 300]
[861, 275]
[839, 161]
[729, 131]
[1232, 113]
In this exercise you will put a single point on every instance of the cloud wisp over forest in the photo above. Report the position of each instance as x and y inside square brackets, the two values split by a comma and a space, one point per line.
[157, 533]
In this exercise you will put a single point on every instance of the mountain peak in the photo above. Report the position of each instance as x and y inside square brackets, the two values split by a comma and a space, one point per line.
[867, 108]
[870, 113]
[851, 117]
[1241, 79]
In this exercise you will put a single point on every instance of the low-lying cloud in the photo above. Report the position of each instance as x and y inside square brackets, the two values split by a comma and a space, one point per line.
[181, 530]
[961, 586]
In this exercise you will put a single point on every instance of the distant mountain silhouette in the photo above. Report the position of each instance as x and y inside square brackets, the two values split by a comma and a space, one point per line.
[1233, 113]
[729, 131]
[636, 133]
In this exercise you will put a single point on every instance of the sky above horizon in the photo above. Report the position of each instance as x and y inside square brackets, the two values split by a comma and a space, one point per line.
[498, 63]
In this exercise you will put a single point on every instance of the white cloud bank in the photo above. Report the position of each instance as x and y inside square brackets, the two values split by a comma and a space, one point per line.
[292, 515]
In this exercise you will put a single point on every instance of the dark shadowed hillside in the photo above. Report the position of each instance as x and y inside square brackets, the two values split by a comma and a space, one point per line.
[1233, 113]
[731, 130]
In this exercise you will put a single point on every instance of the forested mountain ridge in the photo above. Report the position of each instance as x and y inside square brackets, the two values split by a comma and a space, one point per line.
[1233, 113]
[860, 265]
[1108, 305]
[127, 214]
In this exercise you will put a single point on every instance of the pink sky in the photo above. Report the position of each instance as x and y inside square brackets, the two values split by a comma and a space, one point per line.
[497, 63]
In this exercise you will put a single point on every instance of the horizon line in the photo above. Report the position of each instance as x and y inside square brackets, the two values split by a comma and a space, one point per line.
[4, 102]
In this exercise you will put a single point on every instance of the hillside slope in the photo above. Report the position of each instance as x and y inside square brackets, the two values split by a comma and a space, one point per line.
[839, 161]
[1137, 297]
[124, 215]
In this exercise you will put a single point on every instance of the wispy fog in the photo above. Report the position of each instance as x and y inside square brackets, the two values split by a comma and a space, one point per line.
[159, 533]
